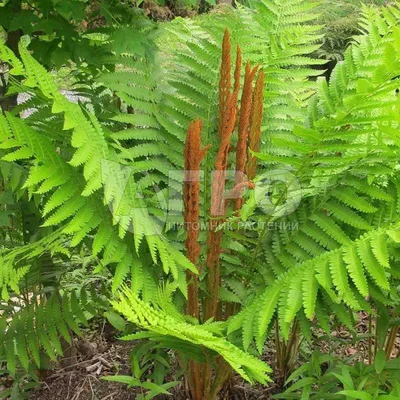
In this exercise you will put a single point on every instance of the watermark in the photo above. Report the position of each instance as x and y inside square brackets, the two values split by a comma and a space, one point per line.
[139, 201]
[277, 192]
[235, 225]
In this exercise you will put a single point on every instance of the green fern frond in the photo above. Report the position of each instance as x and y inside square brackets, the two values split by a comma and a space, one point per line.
[38, 327]
[16, 262]
[147, 317]
[331, 273]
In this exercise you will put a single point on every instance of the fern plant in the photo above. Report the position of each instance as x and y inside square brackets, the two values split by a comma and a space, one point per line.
[112, 181]
[347, 222]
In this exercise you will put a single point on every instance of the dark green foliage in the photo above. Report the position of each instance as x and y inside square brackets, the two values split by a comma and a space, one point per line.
[43, 325]
[341, 21]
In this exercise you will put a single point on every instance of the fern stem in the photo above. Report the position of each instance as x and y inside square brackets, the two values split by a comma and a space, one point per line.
[391, 341]
[223, 372]
[370, 339]
[195, 381]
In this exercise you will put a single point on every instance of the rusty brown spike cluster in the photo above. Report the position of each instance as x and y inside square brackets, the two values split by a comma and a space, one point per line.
[247, 118]
[193, 154]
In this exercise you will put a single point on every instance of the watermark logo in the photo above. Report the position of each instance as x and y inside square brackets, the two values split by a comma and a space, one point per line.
[277, 192]
[137, 199]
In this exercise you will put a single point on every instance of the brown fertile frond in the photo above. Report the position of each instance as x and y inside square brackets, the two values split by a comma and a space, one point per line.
[244, 117]
[221, 162]
[193, 155]
[227, 121]
[228, 126]
[225, 76]
[256, 116]
[238, 68]
[193, 143]
[248, 131]
[244, 127]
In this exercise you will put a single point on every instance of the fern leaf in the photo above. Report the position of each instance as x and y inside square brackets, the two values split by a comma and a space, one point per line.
[374, 268]
[309, 293]
[340, 280]
[355, 269]
[380, 250]
[267, 305]
[142, 314]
